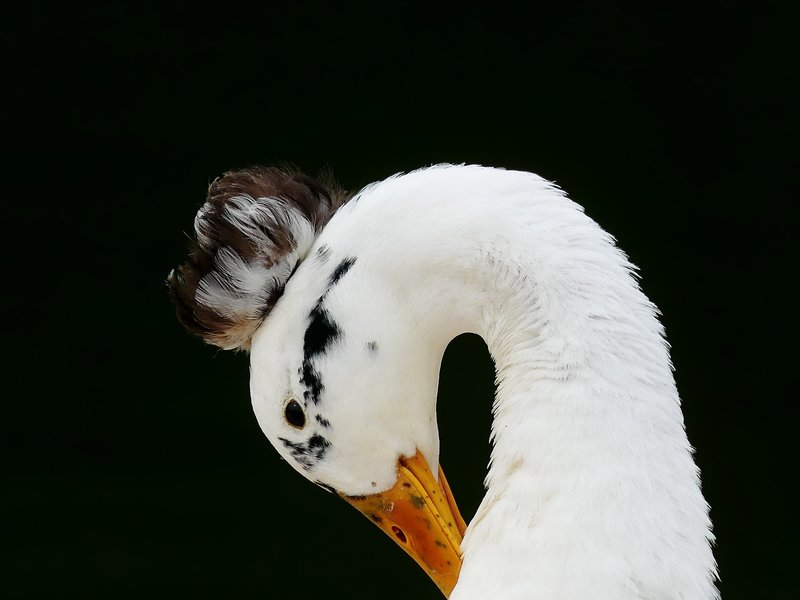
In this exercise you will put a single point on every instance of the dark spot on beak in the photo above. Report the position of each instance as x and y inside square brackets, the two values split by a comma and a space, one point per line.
[399, 534]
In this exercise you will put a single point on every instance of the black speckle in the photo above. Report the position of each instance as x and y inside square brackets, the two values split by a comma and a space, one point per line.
[310, 378]
[319, 444]
[324, 253]
[307, 453]
[340, 270]
[376, 518]
[322, 331]
[323, 421]
[372, 346]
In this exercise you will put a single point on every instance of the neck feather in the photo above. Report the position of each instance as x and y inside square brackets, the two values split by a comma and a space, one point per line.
[592, 490]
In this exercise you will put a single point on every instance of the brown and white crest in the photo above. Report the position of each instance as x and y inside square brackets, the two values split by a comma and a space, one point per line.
[256, 225]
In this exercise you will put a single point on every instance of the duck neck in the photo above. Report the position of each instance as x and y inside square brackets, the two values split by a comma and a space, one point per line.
[592, 490]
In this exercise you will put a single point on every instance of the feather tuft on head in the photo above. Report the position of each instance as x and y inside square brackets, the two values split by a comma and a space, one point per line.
[255, 227]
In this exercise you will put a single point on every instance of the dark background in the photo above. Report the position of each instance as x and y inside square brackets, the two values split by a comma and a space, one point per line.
[135, 466]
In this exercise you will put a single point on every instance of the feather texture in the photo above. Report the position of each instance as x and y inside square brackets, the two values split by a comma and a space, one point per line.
[592, 490]
[253, 230]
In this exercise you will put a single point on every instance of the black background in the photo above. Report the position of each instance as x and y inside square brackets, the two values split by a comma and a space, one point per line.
[135, 466]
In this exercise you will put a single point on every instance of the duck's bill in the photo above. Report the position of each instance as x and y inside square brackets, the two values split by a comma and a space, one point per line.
[420, 514]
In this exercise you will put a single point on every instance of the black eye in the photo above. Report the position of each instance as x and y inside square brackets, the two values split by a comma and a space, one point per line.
[294, 414]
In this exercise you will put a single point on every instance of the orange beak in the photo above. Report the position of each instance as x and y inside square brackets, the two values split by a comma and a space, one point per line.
[420, 514]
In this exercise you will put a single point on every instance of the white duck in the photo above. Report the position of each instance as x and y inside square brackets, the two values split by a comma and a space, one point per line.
[347, 308]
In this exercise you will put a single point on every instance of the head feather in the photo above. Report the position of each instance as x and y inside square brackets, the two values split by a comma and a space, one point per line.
[255, 227]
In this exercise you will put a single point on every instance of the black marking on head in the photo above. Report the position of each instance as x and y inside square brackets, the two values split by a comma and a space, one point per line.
[323, 421]
[322, 331]
[318, 444]
[372, 346]
[327, 487]
[307, 453]
[341, 269]
[310, 378]
[324, 253]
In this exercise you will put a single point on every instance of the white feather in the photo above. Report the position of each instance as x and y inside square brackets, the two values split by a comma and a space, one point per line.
[592, 491]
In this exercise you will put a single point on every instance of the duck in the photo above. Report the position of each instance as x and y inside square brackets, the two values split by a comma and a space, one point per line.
[346, 303]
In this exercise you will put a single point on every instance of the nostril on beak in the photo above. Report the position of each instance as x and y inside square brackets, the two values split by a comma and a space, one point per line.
[399, 534]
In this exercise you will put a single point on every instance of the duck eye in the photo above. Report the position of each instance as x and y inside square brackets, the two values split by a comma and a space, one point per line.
[294, 414]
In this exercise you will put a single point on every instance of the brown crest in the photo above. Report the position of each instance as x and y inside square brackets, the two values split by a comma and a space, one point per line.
[254, 228]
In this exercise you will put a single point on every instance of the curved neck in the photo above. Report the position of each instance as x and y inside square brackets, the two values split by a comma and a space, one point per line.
[592, 489]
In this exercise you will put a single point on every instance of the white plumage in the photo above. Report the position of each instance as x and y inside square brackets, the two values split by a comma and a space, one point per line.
[592, 491]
